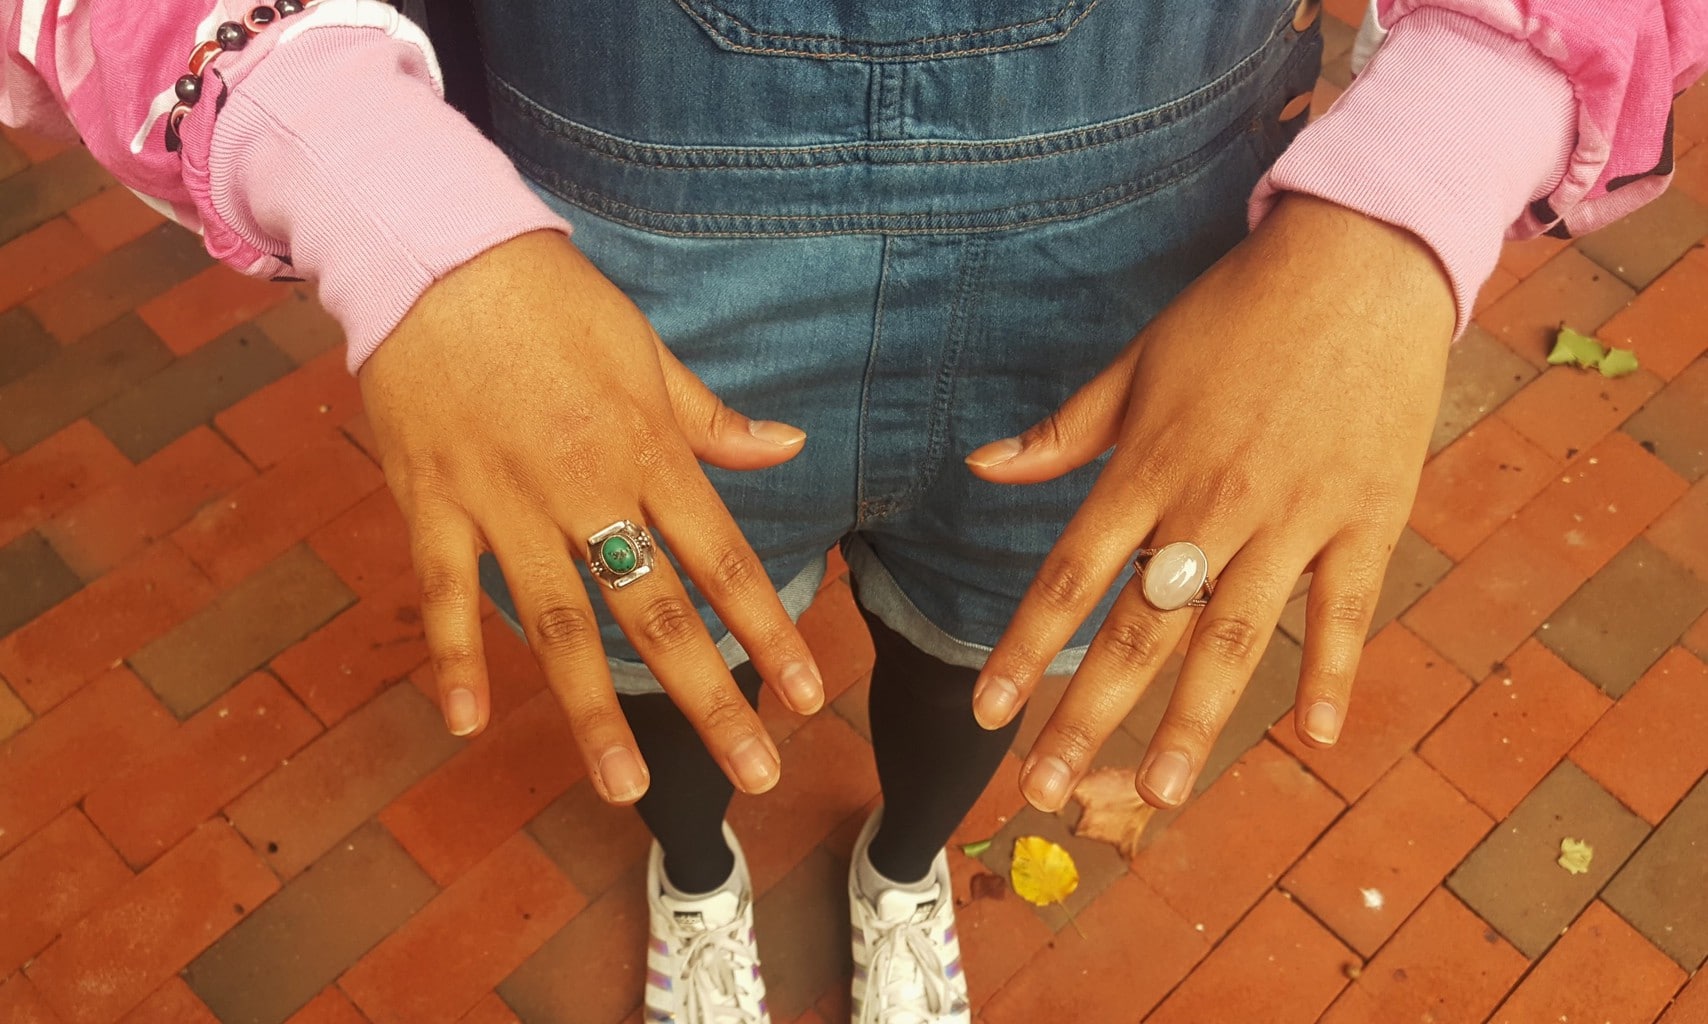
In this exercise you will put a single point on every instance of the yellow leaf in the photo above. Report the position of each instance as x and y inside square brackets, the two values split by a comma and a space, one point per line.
[1043, 873]
[1575, 855]
[1114, 812]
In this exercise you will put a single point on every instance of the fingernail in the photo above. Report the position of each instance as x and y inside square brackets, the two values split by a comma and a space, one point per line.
[996, 453]
[754, 765]
[622, 775]
[780, 434]
[462, 713]
[994, 702]
[803, 687]
[1322, 722]
[1047, 783]
[1168, 776]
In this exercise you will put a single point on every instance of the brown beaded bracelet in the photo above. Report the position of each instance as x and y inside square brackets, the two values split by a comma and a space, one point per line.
[233, 35]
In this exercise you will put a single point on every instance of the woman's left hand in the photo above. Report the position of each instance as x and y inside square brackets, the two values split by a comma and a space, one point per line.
[1277, 415]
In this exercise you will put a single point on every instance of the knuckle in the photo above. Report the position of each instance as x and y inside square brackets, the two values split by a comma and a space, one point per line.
[593, 720]
[1022, 660]
[565, 629]
[1064, 584]
[514, 472]
[1137, 641]
[580, 466]
[1343, 611]
[723, 715]
[668, 623]
[452, 659]
[1230, 489]
[1196, 726]
[734, 571]
[648, 445]
[1047, 433]
[419, 479]
[442, 587]
[1233, 638]
[1074, 741]
[721, 421]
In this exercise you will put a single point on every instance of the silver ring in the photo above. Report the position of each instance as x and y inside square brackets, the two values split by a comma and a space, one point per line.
[620, 554]
[1174, 576]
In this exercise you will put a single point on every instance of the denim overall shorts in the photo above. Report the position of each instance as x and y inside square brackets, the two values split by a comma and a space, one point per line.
[908, 227]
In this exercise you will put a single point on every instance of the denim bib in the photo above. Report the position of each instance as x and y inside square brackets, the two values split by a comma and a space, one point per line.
[755, 117]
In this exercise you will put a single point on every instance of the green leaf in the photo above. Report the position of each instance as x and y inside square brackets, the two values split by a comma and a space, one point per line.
[1574, 349]
[976, 850]
[1618, 362]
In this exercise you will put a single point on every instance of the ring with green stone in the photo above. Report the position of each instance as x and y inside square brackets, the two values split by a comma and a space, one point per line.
[619, 554]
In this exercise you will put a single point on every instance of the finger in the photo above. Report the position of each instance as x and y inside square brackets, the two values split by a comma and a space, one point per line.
[563, 634]
[1342, 601]
[1077, 572]
[718, 434]
[1084, 427]
[735, 583]
[1122, 662]
[445, 553]
[654, 612]
[1227, 643]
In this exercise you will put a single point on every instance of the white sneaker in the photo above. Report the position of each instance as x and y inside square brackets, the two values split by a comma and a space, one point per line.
[702, 966]
[907, 958]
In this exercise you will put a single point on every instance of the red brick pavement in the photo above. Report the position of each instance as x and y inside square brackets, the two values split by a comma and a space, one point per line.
[225, 794]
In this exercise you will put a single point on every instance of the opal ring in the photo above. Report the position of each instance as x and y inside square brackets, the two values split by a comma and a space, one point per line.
[619, 554]
[1174, 576]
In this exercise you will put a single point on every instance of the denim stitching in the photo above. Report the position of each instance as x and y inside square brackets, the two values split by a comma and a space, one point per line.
[967, 293]
[664, 157]
[886, 121]
[796, 37]
[909, 49]
[996, 219]
[862, 509]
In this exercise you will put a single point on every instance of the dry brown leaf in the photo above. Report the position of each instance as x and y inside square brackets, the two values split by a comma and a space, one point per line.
[987, 886]
[1114, 811]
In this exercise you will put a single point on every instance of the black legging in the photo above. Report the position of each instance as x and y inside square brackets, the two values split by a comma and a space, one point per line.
[933, 762]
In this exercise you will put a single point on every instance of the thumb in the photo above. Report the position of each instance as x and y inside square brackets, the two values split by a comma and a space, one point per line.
[717, 434]
[1084, 427]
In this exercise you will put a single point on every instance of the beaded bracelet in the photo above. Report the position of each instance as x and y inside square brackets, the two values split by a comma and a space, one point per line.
[233, 35]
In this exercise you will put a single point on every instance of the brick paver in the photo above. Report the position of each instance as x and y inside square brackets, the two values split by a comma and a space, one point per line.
[226, 794]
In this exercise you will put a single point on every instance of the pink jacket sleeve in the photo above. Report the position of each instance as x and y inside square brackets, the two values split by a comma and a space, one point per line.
[320, 150]
[1471, 120]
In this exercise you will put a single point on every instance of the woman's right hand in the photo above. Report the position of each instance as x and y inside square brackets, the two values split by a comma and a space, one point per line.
[523, 405]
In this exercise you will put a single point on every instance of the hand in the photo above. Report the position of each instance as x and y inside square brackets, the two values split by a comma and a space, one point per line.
[523, 405]
[1277, 414]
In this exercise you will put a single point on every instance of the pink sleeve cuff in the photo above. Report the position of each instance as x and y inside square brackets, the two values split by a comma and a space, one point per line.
[338, 142]
[1449, 132]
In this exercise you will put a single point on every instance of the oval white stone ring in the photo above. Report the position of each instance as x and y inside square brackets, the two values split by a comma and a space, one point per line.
[1174, 576]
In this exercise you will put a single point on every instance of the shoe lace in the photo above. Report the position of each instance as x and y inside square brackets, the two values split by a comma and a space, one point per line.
[906, 969]
[715, 962]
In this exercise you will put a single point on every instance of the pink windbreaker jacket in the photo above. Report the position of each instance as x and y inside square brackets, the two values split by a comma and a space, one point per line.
[1470, 120]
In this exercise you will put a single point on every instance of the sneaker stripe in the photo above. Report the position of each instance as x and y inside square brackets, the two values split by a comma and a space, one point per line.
[658, 980]
[954, 968]
[660, 947]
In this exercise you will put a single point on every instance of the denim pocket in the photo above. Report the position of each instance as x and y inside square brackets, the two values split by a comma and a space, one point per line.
[885, 30]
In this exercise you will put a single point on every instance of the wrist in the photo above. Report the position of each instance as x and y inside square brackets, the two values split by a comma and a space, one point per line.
[1337, 253]
[1450, 131]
